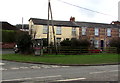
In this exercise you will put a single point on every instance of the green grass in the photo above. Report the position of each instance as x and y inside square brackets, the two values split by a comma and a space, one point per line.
[65, 59]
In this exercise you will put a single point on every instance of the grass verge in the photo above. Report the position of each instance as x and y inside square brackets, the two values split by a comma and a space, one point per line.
[64, 59]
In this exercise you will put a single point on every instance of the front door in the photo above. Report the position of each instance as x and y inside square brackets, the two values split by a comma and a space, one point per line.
[102, 44]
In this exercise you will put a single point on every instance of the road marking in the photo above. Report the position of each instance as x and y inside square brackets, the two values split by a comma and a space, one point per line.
[2, 69]
[35, 67]
[2, 63]
[33, 78]
[45, 66]
[23, 67]
[65, 66]
[104, 71]
[72, 79]
[55, 66]
[14, 68]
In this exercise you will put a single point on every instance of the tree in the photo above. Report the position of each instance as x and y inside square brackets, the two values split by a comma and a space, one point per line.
[76, 42]
[115, 42]
[65, 42]
[24, 42]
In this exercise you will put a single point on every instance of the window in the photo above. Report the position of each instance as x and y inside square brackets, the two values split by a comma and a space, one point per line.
[96, 43]
[108, 32]
[83, 30]
[73, 31]
[58, 41]
[45, 29]
[58, 30]
[96, 31]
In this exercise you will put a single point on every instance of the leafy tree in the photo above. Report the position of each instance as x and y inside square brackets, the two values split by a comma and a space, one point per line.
[115, 42]
[8, 36]
[76, 42]
[24, 42]
[65, 42]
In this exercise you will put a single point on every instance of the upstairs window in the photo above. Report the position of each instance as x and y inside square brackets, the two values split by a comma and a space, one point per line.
[96, 31]
[58, 30]
[45, 29]
[73, 31]
[83, 30]
[108, 31]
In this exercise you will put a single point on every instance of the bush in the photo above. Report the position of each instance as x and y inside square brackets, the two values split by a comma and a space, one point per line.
[8, 36]
[74, 46]
[24, 42]
[115, 43]
[65, 43]
[76, 43]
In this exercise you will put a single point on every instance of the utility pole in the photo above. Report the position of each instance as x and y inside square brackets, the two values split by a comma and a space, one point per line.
[50, 11]
[48, 25]
[22, 24]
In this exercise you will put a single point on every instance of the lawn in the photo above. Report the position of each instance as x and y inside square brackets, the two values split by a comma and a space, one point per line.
[64, 59]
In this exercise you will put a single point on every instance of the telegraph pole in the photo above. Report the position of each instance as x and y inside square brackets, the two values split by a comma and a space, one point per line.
[48, 24]
[50, 11]
[22, 24]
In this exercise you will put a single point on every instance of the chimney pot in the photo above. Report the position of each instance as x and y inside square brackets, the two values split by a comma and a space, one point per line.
[72, 19]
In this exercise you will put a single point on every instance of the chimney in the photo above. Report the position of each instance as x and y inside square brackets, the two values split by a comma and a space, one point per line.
[72, 19]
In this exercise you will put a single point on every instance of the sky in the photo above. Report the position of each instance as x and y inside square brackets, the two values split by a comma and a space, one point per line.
[12, 11]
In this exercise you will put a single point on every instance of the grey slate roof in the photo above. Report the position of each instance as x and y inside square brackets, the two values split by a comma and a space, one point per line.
[37, 21]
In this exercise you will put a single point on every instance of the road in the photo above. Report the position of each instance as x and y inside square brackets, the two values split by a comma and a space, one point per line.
[16, 72]
[7, 51]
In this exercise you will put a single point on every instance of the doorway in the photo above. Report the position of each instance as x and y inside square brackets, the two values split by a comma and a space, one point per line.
[102, 44]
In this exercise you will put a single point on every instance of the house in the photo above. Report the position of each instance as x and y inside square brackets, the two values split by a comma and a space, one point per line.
[99, 34]
[63, 29]
[24, 27]
[7, 26]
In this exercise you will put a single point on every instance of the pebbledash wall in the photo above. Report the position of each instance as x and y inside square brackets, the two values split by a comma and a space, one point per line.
[99, 34]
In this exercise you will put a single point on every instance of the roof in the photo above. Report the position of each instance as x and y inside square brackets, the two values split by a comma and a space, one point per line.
[25, 26]
[37, 21]
[7, 26]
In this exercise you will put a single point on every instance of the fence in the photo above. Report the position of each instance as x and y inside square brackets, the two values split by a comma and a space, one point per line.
[78, 50]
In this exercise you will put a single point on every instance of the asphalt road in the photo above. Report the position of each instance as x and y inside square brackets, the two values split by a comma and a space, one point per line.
[16, 72]
[7, 51]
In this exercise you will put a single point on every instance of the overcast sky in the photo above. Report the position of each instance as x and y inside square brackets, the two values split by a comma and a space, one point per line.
[12, 11]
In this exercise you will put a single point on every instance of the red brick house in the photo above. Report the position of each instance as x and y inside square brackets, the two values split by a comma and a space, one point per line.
[99, 34]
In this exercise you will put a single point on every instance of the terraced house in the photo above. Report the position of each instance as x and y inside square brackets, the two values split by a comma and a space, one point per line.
[99, 34]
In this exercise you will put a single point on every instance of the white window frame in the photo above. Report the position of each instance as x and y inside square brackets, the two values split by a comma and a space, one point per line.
[96, 31]
[58, 30]
[108, 31]
[73, 31]
[45, 29]
[58, 41]
[96, 43]
[84, 30]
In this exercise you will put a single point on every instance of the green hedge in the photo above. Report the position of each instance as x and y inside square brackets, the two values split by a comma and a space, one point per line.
[9, 36]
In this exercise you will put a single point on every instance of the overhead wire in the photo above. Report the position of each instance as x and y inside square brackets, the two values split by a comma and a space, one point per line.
[86, 8]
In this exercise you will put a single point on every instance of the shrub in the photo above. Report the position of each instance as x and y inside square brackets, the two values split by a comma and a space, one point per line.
[65, 43]
[115, 43]
[24, 42]
[74, 46]
[8, 36]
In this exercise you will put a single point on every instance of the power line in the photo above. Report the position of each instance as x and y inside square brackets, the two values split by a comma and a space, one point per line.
[86, 8]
